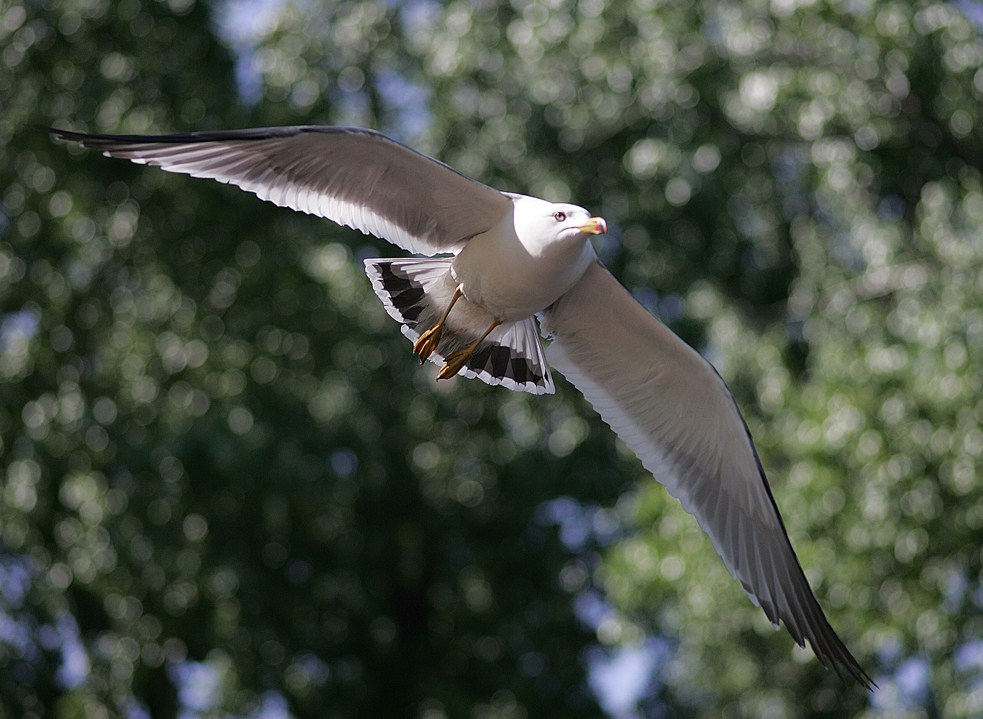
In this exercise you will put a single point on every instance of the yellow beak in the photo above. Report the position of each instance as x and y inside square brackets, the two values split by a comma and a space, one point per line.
[594, 226]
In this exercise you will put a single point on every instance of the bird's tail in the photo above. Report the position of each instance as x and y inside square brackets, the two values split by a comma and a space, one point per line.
[417, 291]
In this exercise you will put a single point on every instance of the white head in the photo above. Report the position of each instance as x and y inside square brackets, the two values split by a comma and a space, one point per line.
[539, 223]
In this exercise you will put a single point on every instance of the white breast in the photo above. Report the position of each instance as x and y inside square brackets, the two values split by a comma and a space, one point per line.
[513, 278]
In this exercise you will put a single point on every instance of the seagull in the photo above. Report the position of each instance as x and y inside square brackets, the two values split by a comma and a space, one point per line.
[493, 264]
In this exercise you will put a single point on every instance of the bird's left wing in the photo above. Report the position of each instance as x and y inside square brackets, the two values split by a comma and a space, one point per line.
[359, 178]
[675, 412]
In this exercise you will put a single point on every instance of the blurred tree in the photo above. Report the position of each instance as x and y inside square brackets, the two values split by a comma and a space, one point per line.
[223, 490]
[226, 487]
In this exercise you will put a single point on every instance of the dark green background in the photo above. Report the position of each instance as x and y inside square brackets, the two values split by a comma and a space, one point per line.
[218, 453]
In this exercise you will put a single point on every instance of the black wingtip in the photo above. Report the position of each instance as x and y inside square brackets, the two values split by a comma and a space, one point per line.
[254, 133]
[853, 672]
[49, 130]
[68, 135]
[842, 661]
[863, 678]
[91, 140]
[847, 668]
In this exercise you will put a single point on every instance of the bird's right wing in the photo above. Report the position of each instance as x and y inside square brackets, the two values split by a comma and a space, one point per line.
[675, 412]
[359, 178]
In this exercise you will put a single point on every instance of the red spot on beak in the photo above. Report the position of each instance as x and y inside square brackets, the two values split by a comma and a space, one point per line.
[594, 226]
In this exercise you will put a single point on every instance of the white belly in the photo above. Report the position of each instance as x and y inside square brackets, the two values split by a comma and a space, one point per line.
[506, 279]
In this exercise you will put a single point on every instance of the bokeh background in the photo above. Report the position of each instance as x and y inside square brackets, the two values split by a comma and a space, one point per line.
[228, 490]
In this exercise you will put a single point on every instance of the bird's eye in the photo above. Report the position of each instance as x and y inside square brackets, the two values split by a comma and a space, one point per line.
[560, 216]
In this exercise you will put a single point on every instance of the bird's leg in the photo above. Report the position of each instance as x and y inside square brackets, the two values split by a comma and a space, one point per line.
[427, 342]
[456, 359]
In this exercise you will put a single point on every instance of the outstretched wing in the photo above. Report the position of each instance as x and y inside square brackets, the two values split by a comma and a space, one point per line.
[675, 412]
[359, 178]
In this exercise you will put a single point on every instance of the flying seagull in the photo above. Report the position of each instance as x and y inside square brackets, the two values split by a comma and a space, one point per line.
[494, 262]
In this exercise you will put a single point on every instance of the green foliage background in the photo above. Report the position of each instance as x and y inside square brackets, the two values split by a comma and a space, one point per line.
[217, 452]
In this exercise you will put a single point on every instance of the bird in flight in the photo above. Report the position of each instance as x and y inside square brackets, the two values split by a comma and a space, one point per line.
[495, 262]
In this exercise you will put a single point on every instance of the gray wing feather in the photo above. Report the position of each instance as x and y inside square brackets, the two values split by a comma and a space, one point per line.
[675, 412]
[359, 178]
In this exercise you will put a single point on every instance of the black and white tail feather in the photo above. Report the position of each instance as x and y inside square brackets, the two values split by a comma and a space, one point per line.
[415, 292]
